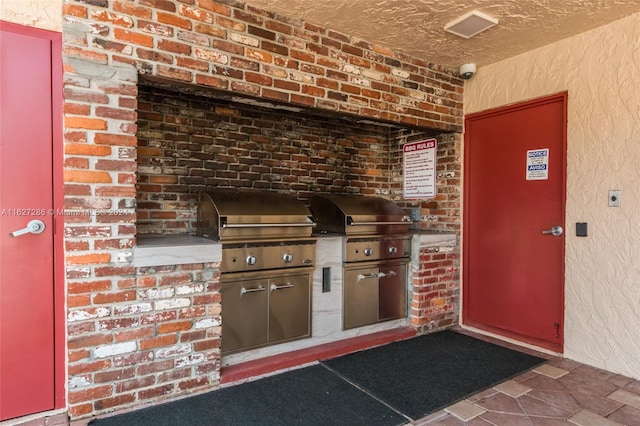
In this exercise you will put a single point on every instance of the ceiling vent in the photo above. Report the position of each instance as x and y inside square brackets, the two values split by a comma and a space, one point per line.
[470, 24]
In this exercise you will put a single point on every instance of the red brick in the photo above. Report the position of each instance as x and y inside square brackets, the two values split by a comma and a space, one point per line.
[115, 139]
[137, 383]
[76, 163]
[174, 327]
[194, 383]
[86, 176]
[155, 367]
[119, 400]
[113, 18]
[87, 149]
[172, 19]
[136, 334]
[85, 123]
[114, 375]
[88, 367]
[133, 37]
[78, 301]
[88, 286]
[128, 8]
[195, 13]
[157, 342]
[78, 11]
[155, 392]
[109, 298]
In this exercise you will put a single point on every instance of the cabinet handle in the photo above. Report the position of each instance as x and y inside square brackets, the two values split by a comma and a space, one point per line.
[280, 287]
[365, 276]
[251, 290]
[389, 274]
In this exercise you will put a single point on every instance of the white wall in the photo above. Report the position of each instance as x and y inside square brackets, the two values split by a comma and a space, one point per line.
[43, 14]
[600, 70]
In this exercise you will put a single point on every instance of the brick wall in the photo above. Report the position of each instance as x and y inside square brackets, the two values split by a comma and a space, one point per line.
[156, 336]
[435, 302]
[188, 143]
[226, 46]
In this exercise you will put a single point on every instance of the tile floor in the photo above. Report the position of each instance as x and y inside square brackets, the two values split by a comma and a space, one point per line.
[560, 392]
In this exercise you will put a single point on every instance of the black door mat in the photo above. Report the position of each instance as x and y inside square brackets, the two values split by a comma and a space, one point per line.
[424, 374]
[307, 396]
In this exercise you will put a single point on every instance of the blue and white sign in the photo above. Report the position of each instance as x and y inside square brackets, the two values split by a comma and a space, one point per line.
[538, 164]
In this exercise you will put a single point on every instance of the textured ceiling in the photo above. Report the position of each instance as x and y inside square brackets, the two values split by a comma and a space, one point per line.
[416, 27]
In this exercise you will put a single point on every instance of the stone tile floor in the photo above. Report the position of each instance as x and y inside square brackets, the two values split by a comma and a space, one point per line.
[560, 392]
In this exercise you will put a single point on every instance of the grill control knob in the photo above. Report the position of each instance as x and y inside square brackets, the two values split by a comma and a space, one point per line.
[393, 250]
[251, 260]
[368, 252]
[288, 257]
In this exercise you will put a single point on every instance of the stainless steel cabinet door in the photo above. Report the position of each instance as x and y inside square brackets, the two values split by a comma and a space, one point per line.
[392, 292]
[244, 314]
[360, 297]
[289, 307]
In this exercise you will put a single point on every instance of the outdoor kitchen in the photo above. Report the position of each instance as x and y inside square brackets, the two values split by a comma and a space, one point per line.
[298, 203]
[222, 96]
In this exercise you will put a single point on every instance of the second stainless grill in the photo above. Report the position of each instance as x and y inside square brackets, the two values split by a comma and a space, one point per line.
[377, 250]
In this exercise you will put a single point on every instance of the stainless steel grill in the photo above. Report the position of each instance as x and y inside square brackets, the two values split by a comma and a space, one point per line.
[268, 254]
[377, 251]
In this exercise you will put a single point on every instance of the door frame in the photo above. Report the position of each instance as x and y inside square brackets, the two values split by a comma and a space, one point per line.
[563, 97]
[57, 153]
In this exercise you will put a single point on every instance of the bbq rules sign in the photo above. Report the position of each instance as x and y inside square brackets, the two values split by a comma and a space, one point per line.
[419, 169]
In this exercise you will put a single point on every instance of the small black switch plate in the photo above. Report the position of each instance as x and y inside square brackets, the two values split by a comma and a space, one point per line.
[326, 280]
[581, 229]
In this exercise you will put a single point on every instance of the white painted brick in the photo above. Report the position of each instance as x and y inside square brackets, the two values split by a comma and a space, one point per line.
[296, 76]
[373, 75]
[125, 257]
[79, 381]
[243, 39]
[351, 69]
[399, 73]
[209, 322]
[416, 94]
[361, 81]
[172, 304]
[133, 309]
[189, 289]
[115, 349]
[82, 315]
[173, 351]
[157, 293]
[408, 102]
[189, 360]
[211, 55]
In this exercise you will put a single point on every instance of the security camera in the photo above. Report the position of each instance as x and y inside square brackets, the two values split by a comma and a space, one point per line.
[467, 71]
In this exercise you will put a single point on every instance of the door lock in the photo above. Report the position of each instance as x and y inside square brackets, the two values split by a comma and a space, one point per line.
[556, 231]
[33, 227]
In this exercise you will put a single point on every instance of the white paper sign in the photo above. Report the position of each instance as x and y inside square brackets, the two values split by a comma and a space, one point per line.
[538, 164]
[419, 166]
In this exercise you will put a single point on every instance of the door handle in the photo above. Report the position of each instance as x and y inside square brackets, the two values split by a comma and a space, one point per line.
[280, 287]
[556, 231]
[33, 227]
[251, 290]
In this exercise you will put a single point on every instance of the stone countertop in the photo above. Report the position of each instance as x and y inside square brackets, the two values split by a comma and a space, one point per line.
[157, 250]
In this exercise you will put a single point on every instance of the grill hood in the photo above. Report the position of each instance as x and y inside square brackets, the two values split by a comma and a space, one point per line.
[246, 217]
[358, 215]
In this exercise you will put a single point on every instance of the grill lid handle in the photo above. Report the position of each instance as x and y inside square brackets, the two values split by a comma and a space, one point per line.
[223, 221]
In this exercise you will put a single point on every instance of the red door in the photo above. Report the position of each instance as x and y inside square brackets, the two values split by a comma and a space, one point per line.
[26, 259]
[515, 168]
